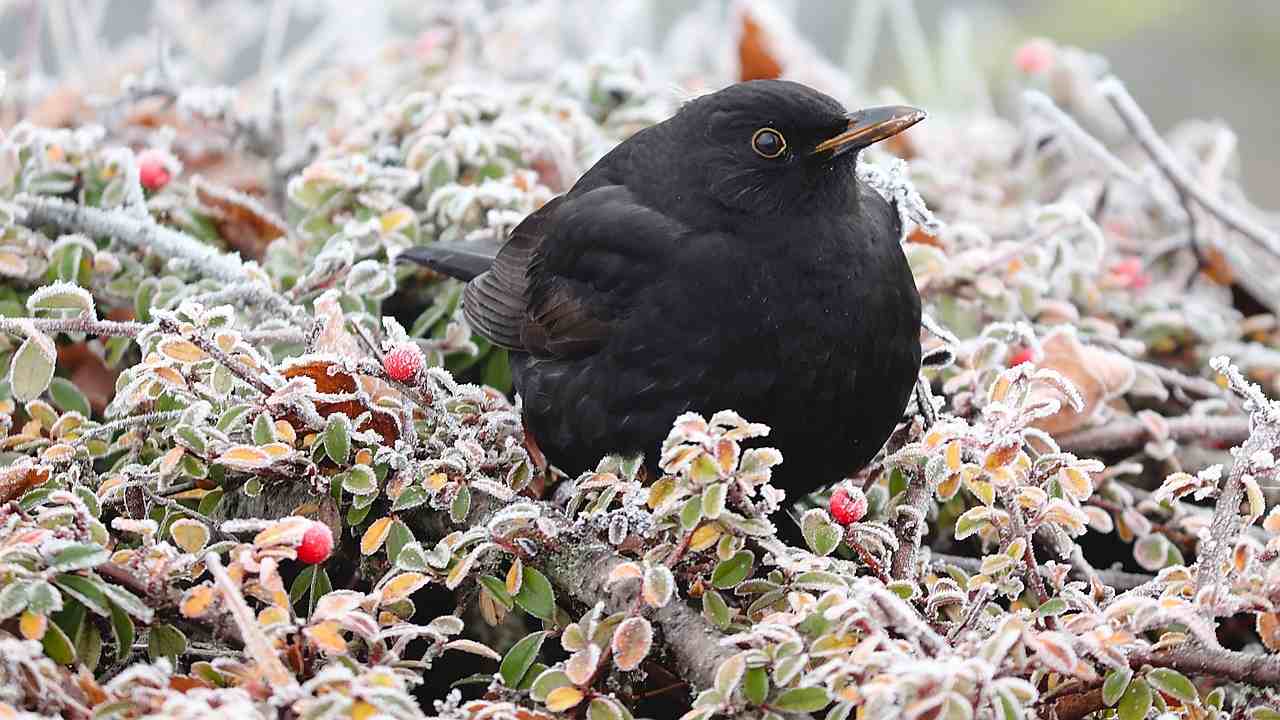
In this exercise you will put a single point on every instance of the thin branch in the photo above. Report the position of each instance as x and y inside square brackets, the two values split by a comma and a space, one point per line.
[88, 326]
[1197, 660]
[155, 418]
[909, 527]
[1140, 125]
[1130, 433]
[142, 235]
[249, 377]
[1118, 579]
[1044, 105]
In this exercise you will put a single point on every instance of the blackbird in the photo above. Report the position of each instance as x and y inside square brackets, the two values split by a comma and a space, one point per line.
[728, 257]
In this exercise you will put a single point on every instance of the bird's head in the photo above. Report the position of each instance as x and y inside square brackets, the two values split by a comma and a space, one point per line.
[772, 147]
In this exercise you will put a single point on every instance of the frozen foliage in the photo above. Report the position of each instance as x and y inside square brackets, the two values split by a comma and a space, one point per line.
[200, 298]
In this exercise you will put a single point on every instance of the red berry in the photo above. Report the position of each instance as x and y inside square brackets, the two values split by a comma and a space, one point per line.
[403, 362]
[152, 172]
[848, 504]
[1019, 357]
[1034, 56]
[316, 544]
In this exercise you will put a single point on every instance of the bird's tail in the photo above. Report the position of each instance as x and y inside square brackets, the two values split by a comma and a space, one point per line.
[464, 260]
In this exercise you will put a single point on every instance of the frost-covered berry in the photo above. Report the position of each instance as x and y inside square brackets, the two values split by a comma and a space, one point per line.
[152, 171]
[403, 362]
[1035, 56]
[848, 504]
[1021, 356]
[316, 544]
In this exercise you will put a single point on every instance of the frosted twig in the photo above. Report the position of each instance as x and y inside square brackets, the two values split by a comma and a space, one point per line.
[1173, 378]
[142, 235]
[250, 378]
[256, 643]
[1226, 523]
[1119, 434]
[909, 526]
[155, 418]
[88, 326]
[1044, 105]
[1138, 123]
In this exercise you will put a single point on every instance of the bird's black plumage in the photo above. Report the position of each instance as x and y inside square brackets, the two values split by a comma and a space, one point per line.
[693, 269]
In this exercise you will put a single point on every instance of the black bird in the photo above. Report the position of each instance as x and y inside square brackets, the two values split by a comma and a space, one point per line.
[725, 258]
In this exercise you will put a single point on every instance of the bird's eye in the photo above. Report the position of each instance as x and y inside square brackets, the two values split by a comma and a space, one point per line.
[768, 143]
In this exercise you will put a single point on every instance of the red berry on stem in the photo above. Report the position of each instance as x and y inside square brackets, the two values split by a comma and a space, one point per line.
[152, 172]
[1021, 356]
[403, 362]
[316, 544]
[848, 504]
[1034, 56]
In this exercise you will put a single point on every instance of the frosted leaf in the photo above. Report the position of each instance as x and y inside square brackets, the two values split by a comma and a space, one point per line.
[62, 296]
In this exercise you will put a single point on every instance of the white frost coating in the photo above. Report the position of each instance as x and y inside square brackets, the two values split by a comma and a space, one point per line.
[139, 234]
[891, 180]
[61, 287]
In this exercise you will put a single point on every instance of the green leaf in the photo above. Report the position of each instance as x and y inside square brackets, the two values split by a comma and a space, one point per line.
[820, 533]
[78, 556]
[88, 642]
[88, 591]
[1114, 686]
[691, 513]
[971, 521]
[547, 681]
[715, 609]
[128, 602]
[536, 596]
[1172, 682]
[728, 573]
[32, 368]
[520, 658]
[412, 497]
[461, 505]
[756, 685]
[44, 598]
[166, 641]
[68, 397]
[301, 584]
[495, 588]
[123, 631]
[58, 646]
[13, 598]
[399, 537]
[337, 438]
[360, 480]
[1136, 701]
[264, 429]
[1051, 608]
[801, 700]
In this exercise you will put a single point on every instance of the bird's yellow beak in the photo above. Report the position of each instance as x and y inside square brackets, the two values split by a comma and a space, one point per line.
[870, 126]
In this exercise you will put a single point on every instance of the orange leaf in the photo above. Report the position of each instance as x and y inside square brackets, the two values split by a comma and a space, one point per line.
[375, 536]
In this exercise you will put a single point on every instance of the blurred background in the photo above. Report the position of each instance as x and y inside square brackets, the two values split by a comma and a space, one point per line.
[1182, 59]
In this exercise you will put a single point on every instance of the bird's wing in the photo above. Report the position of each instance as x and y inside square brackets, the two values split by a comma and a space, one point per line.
[569, 273]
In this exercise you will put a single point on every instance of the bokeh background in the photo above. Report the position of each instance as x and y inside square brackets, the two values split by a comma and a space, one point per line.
[1181, 59]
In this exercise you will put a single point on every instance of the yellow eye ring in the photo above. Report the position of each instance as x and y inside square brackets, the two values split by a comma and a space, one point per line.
[768, 143]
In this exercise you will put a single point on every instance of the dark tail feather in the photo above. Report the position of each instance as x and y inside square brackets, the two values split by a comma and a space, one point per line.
[460, 260]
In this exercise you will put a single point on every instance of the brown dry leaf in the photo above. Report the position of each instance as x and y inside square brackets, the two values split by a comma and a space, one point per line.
[755, 60]
[1269, 630]
[246, 224]
[1099, 375]
[89, 373]
[20, 477]
[769, 46]
[1217, 268]
[380, 421]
